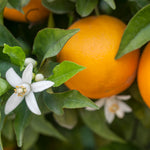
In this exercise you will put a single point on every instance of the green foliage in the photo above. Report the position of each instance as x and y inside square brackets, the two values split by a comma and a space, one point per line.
[4, 86]
[49, 42]
[96, 121]
[111, 3]
[6, 37]
[139, 26]
[22, 119]
[64, 71]
[59, 6]
[70, 99]
[16, 54]
[40, 125]
[85, 7]
[67, 120]
[118, 146]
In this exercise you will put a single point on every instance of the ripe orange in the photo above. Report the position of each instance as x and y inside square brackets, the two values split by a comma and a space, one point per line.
[34, 11]
[95, 47]
[144, 75]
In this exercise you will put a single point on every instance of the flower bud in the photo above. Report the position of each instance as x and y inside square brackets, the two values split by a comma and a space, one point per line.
[30, 60]
[39, 77]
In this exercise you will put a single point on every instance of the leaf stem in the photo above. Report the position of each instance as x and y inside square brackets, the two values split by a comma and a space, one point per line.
[97, 11]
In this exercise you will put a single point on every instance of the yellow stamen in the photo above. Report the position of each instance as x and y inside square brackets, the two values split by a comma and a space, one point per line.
[113, 108]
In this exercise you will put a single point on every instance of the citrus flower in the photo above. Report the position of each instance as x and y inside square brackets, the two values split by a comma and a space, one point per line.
[24, 89]
[113, 105]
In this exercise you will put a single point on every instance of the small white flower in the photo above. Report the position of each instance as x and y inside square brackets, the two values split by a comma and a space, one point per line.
[30, 60]
[113, 106]
[24, 89]
[39, 77]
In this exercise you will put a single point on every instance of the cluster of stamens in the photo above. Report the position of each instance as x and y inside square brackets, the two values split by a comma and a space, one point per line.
[113, 108]
[20, 90]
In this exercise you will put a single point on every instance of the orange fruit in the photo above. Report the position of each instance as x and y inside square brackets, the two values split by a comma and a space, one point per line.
[144, 75]
[95, 47]
[34, 11]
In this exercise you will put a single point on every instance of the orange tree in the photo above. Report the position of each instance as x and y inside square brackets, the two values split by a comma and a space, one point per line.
[67, 68]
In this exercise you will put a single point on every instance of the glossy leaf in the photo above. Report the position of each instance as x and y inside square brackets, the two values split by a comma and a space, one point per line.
[30, 138]
[96, 122]
[15, 4]
[69, 99]
[7, 38]
[2, 4]
[85, 7]
[49, 42]
[136, 33]
[67, 120]
[16, 54]
[59, 6]
[111, 3]
[42, 126]
[64, 71]
[23, 116]
[4, 86]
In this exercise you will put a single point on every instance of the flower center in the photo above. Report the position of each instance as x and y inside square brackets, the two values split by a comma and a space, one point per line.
[22, 90]
[113, 108]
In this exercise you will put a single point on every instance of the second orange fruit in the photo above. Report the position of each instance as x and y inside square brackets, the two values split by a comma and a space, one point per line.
[34, 11]
[95, 47]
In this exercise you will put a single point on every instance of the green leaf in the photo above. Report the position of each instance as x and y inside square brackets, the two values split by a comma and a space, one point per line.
[40, 125]
[67, 120]
[30, 138]
[119, 146]
[8, 131]
[111, 3]
[7, 38]
[4, 86]
[17, 4]
[59, 6]
[95, 120]
[64, 71]
[85, 7]
[2, 5]
[136, 5]
[49, 42]
[16, 54]
[2, 116]
[1, 145]
[136, 33]
[70, 99]
[23, 116]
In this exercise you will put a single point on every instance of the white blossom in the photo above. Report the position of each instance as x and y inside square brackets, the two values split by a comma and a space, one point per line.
[24, 89]
[113, 105]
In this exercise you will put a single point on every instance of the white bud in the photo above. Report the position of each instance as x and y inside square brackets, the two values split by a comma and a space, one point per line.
[30, 60]
[39, 77]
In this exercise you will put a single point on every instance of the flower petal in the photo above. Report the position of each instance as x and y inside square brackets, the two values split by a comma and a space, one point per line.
[41, 85]
[32, 104]
[13, 78]
[99, 103]
[13, 101]
[109, 115]
[123, 97]
[27, 74]
[124, 107]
